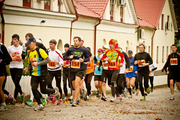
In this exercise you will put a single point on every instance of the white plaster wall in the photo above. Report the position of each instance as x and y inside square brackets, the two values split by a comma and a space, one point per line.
[14, 2]
[163, 37]
[25, 84]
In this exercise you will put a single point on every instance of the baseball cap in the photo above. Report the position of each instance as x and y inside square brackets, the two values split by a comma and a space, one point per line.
[82, 38]
[130, 51]
[117, 45]
[100, 49]
[31, 39]
[106, 46]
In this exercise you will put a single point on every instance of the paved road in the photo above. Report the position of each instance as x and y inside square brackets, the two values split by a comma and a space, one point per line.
[157, 106]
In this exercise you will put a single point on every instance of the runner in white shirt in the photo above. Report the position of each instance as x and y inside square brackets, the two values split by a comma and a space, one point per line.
[16, 66]
[152, 68]
[54, 67]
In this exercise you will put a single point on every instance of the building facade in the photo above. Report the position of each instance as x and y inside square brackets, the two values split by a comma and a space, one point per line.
[130, 22]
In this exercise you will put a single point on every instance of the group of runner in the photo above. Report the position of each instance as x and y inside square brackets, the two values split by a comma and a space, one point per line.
[122, 72]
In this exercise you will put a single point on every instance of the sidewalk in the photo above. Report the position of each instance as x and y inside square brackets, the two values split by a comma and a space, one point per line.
[157, 106]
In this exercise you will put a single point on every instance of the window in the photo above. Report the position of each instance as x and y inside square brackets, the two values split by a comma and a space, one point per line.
[47, 5]
[158, 26]
[157, 54]
[167, 52]
[137, 48]
[59, 5]
[149, 50]
[104, 41]
[163, 54]
[121, 13]
[141, 33]
[162, 22]
[111, 11]
[27, 3]
[168, 18]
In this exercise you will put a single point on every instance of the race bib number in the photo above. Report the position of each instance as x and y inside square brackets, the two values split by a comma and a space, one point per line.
[140, 63]
[33, 60]
[112, 64]
[75, 64]
[16, 55]
[89, 65]
[131, 69]
[173, 61]
[105, 64]
[52, 64]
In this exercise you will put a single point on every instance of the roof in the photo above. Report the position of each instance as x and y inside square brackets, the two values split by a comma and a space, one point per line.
[93, 8]
[149, 11]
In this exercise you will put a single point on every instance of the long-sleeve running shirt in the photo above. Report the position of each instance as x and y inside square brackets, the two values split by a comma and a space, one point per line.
[113, 55]
[143, 56]
[77, 53]
[173, 62]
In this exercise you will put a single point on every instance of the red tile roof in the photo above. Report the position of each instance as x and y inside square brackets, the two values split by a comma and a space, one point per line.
[93, 8]
[149, 11]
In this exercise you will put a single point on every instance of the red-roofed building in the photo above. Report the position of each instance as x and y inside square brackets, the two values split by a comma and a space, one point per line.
[130, 22]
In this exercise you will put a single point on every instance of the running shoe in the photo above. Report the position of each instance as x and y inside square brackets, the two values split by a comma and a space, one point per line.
[97, 93]
[13, 102]
[151, 89]
[65, 99]
[10, 97]
[22, 97]
[78, 100]
[84, 95]
[125, 93]
[137, 92]
[120, 98]
[53, 99]
[40, 108]
[134, 91]
[172, 97]
[72, 100]
[112, 99]
[29, 103]
[74, 104]
[3, 108]
[99, 96]
[88, 97]
[129, 96]
[44, 100]
[57, 94]
[143, 98]
[103, 98]
[117, 99]
[145, 94]
[148, 90]
[59, 101]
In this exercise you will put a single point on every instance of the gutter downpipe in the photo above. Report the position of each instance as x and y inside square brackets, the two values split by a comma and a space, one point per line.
[3, 21]
[137, 29]
[95, 30]
[152, 43]
[77, 16]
